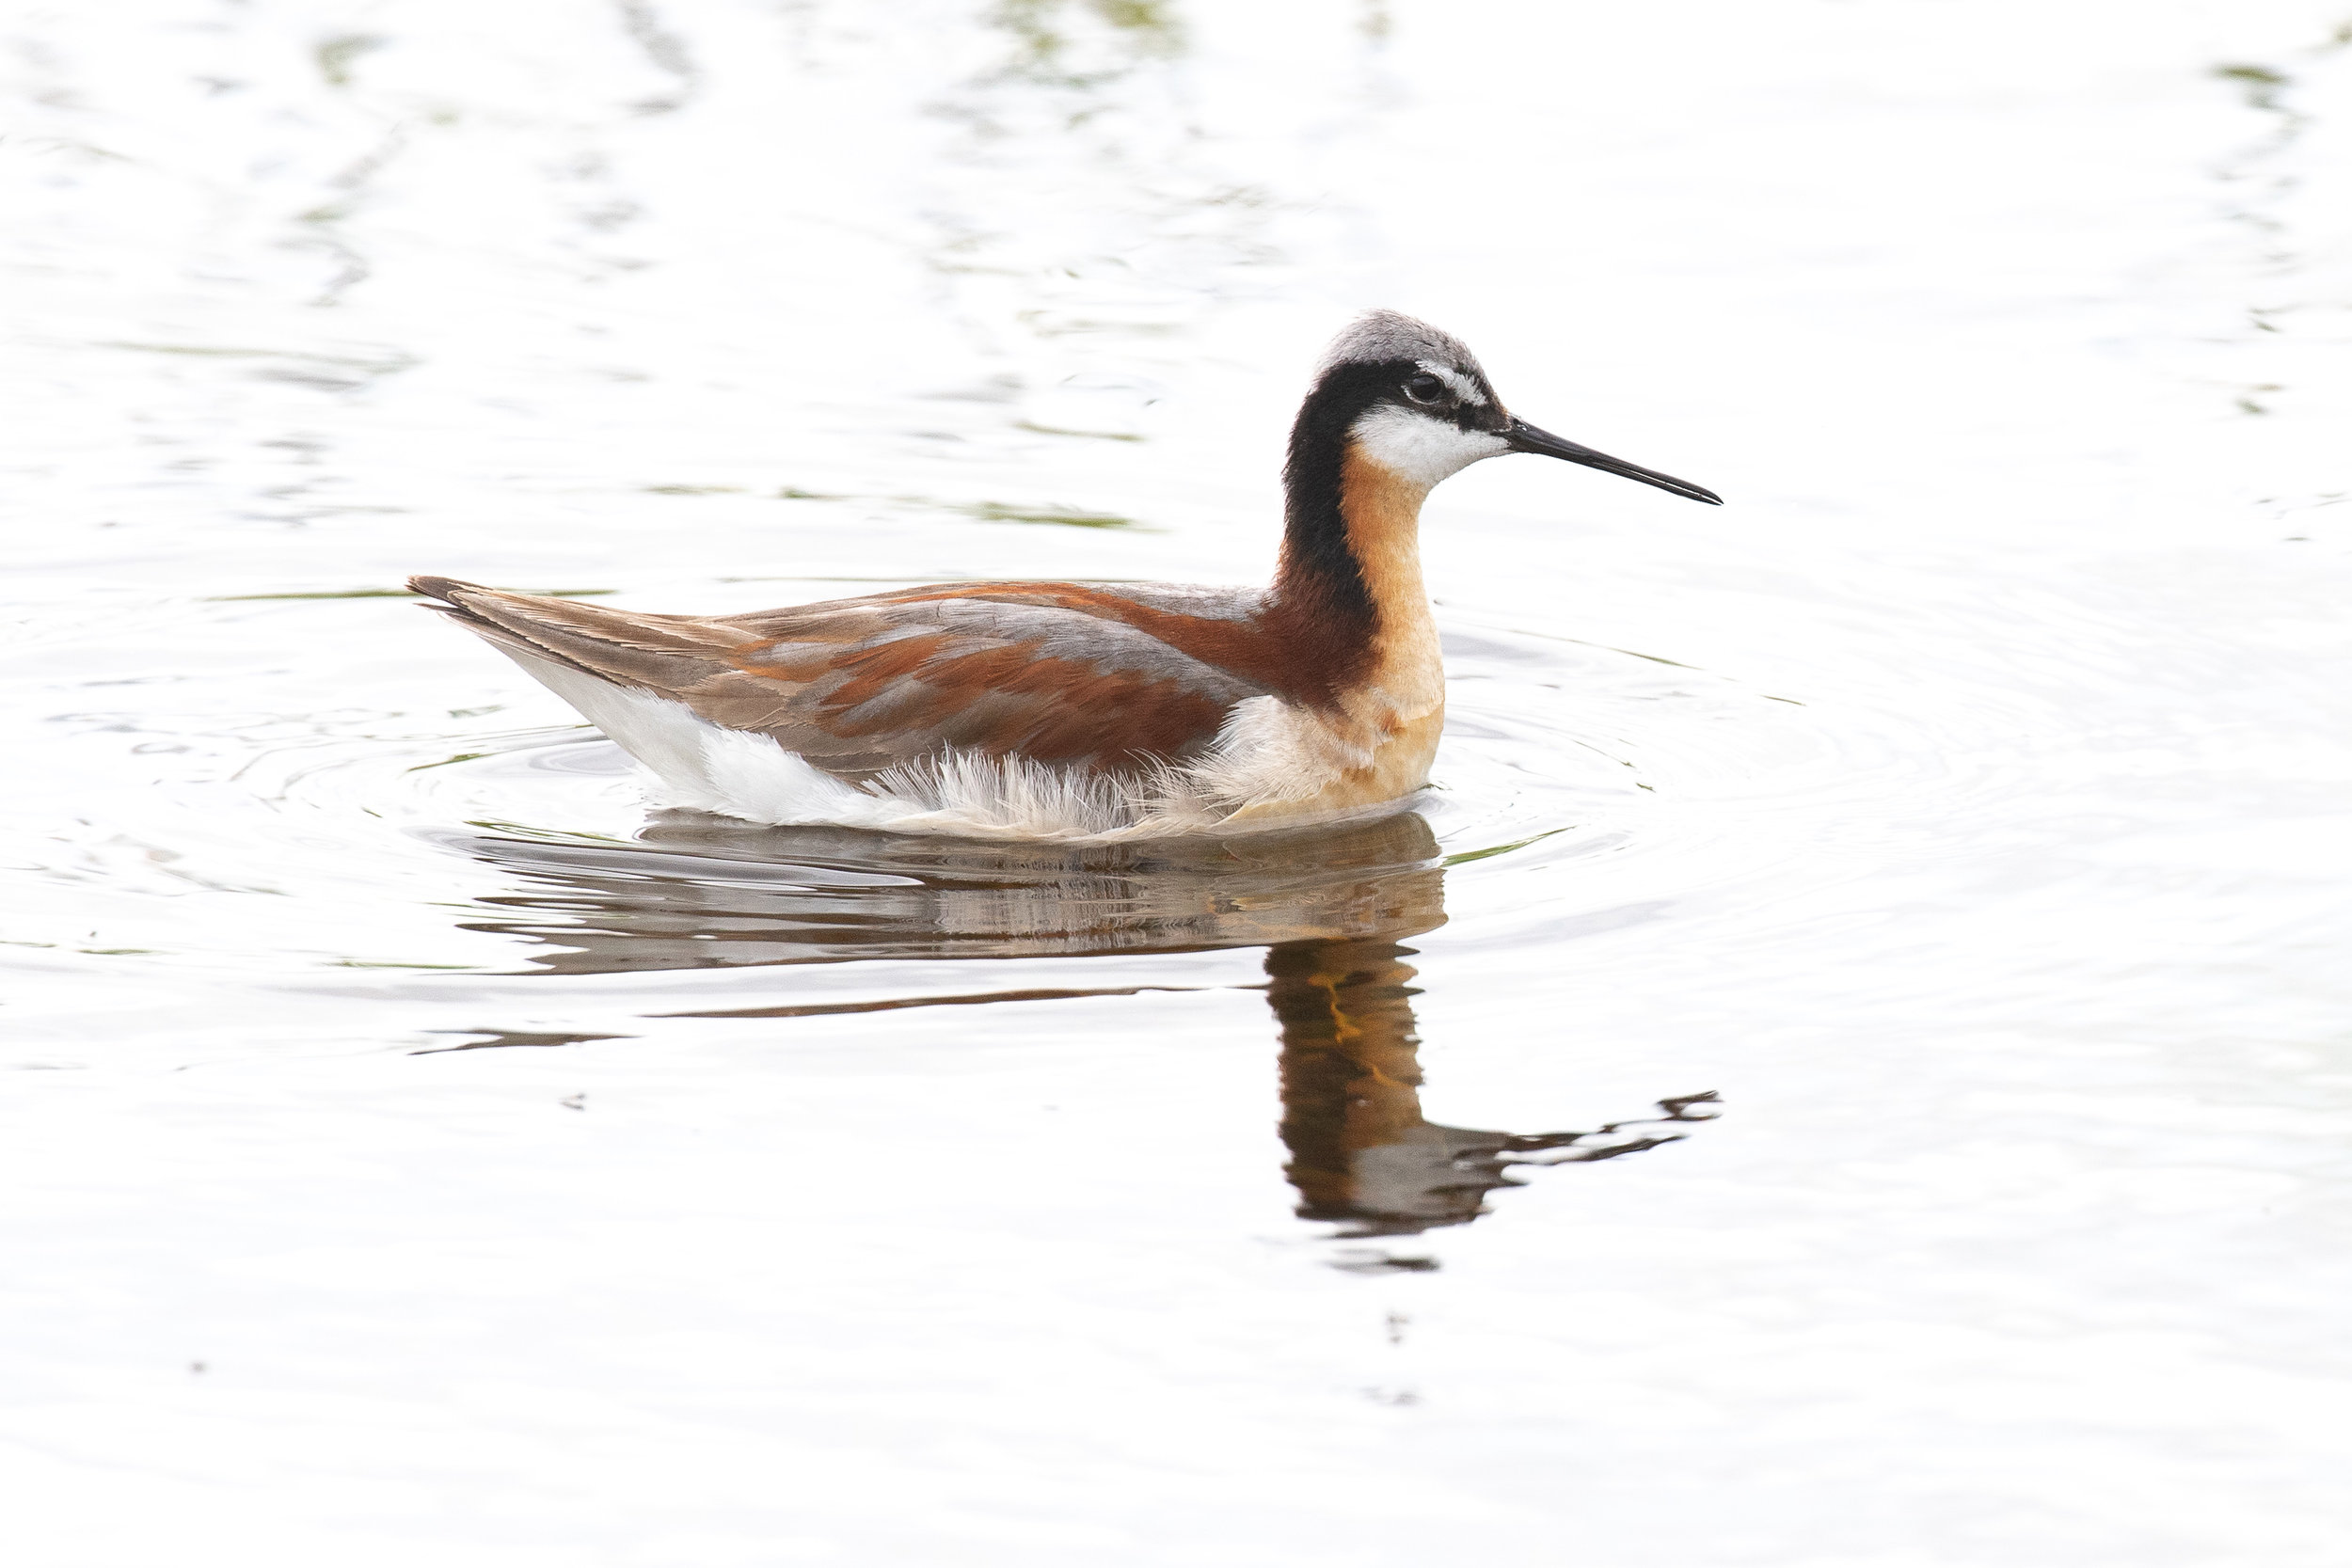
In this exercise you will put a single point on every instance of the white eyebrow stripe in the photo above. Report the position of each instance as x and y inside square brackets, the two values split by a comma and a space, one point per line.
[1464, 388]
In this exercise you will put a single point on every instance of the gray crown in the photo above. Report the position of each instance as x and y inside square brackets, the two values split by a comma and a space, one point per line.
[1379, 337]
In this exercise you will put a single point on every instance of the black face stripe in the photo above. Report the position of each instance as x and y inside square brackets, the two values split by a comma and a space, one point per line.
[1349, 390]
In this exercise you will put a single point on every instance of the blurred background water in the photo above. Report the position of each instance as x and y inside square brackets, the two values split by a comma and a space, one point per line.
[1912, 897]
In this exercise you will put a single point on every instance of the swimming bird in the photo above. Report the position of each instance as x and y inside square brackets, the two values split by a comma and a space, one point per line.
[1076, 712]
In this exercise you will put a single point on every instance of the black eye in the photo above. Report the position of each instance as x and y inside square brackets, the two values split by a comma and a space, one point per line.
[1424, 388]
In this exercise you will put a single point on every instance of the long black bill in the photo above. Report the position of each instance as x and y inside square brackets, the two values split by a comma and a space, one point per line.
[1526, 437]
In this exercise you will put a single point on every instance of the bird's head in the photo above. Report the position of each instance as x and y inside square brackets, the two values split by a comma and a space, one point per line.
[1416, 402]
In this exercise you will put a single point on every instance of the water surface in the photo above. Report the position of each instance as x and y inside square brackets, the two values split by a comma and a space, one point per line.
[1847, 1069]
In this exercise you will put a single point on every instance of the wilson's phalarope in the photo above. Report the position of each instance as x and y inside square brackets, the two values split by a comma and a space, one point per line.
[1072, 711]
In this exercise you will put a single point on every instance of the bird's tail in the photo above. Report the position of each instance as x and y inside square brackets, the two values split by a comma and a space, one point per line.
[670, 653]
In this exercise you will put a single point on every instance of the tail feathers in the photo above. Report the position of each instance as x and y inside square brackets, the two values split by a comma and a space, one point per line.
[670, 653]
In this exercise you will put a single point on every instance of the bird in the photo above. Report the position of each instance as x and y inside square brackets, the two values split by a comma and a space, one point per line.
[1073, 711]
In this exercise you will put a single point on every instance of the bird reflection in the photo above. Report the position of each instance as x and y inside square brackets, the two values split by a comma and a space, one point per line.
[697, 891]
[1360, 1150]
[1331, 907]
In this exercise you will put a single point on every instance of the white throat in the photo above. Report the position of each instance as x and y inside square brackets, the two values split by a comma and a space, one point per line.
[1419, 448]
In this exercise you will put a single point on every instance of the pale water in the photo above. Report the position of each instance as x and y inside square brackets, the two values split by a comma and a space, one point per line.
[1894, 929]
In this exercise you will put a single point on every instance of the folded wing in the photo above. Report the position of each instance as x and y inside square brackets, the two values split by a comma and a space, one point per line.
[857, 685]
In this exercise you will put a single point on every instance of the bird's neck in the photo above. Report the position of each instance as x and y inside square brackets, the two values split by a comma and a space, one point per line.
[1349, 583]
